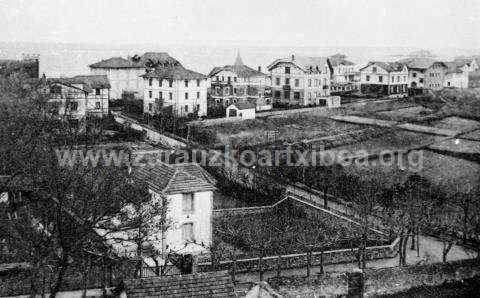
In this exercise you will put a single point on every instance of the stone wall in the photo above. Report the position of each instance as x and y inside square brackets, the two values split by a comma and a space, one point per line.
[240, 211]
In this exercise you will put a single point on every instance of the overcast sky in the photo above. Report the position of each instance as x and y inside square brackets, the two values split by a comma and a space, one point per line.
[400, 23]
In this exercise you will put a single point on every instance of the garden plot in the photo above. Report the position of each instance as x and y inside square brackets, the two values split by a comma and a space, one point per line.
[450, 174]
[409, 114]
[457, 146]
[474, 135]
[288, 128]
[456, 123]
[288, 231]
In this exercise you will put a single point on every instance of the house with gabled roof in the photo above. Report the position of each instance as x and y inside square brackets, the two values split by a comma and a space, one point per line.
[345, 76]
[79, 96]
[124, 73]
[387, 79]
[424, 73]
[300, 80]
[187, 190]
[240, 83]
[456, 75]
[172, 85]
[242, 110]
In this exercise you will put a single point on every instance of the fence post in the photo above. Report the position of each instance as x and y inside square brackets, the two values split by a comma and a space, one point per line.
[279, 265]
[260, 267]
[309, 262]
[234, 268]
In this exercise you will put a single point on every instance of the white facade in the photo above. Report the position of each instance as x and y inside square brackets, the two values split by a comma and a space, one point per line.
[233, 112]
[122, 79]
[292, 84]
[199, 218]
[456, 79]
[185, 96]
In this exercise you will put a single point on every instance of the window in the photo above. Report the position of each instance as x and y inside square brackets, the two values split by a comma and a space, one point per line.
[277, 94]
[186, 109]
[187, 232]
[393, 79]
[226, 91]
[150, 94]
[150, 82]
[398, 79]
[198, 83]
[287, 81]
[287, 70]
[170, 95]
[380, 79]
[217, 90]
[160, 82]
[286, 95]
[228, 80]
[97, 105]
[374, 69]
[223, 78]
[368, 78]
[187, 203]
[97, 91]
[234, 90]
[186, 83]
[170, 83]
[414, 74]
[235, 79]
[309, 82]
[73, 106]
[420, 80]
[198, 107]
[297, 82]
[186, 95]
[198, 94]
[296, 95]
[404, 79]
[150, 107]
[218, 79]
[160, 95]
[277, 81]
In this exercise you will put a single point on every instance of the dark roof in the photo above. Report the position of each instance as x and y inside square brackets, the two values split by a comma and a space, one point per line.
[388, 66]
[454, 67]
[175, 178]
[304, 63]
[209, 284]
[89, 82]
[340, 61]
[419, 63]
[240, 69]
[244, 105]
[173, 72]
[146, 60]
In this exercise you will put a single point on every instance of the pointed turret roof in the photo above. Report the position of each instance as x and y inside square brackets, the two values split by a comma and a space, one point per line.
[238, 60]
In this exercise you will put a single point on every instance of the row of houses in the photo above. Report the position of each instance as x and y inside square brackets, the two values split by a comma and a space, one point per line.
[161, 81]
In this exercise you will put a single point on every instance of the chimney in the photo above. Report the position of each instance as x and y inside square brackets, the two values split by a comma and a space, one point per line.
[259, 69]
[293, 57]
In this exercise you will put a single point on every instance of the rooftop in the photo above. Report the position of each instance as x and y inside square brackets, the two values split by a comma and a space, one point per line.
[238, 68]
[174, 72]
[305, 63]
[209, 284]
[175, 178]
[388, 66]
[148, 59]
[89, 82]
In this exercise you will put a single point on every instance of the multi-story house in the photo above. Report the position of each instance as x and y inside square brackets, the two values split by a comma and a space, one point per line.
[79, 96]
[172, 85]
[124, 73]
[300, 80]
[239, 83]
[345, 77]
[424, 73]
[456, 75]
[467, 64]
[384, 79]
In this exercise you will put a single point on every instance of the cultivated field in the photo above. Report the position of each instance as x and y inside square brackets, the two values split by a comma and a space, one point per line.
[288, 128]
[405, 114]
[456, 123]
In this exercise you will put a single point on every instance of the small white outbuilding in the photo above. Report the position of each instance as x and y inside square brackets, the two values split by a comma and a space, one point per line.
[243, 110]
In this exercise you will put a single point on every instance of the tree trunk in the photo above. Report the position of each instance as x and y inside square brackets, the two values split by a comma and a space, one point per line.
[446, 249]
[404, 250]
[260, 267]
[321, 261]
[309, 262]
[63, 263]
[33, 279]
[412, 245]
[400, 245]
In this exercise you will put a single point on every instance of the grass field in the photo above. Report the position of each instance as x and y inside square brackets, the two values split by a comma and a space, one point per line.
[405, 114]
[289, 128]
[456, 123]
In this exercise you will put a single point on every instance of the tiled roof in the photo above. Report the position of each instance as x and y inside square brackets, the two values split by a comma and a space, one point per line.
[418, 63]
[89, 82]
[209, 284]
[303, 62]
[136, 61]
[241, 71]
[388, 66]
[174, 72]
[454, 67]
[173, 179]
[244, 105]
[335, 61]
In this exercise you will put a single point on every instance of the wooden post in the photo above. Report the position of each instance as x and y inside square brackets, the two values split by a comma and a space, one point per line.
[321, 261]
[260, 267]
[279, 265]
[309, 262]
[234, 269]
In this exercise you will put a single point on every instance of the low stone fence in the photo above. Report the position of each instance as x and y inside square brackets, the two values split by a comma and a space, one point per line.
[271, 263]
[240, 211]
[377, 282]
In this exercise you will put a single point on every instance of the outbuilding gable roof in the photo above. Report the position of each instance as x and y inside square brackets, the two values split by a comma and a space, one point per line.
[88, 82]
[244, 105]
[208, 284]
[173, 179]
